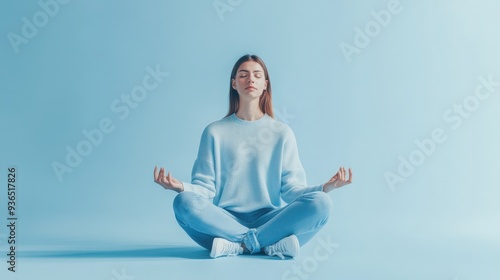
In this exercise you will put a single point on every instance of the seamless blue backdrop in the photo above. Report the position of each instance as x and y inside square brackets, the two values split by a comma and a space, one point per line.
[360, 83]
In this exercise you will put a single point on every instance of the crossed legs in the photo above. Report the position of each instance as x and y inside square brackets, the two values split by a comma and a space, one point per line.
[203, 221]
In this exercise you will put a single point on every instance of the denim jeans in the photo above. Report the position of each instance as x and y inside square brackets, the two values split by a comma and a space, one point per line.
[203, 221]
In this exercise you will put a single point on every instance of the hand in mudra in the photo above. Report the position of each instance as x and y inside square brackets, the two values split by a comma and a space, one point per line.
[167, 181]
[338, 180]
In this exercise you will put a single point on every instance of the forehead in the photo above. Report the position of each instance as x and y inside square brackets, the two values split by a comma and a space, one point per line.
[250, 66]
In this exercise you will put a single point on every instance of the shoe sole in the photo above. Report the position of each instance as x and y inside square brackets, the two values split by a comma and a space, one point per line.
[214, 244]
[297, 244]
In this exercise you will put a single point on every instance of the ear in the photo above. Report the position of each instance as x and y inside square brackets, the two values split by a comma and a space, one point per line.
[233, 83]
[265, 87]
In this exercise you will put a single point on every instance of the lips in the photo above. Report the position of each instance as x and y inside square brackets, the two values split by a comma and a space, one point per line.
[250, 87]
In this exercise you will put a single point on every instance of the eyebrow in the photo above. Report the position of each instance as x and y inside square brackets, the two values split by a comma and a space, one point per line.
[249, 71]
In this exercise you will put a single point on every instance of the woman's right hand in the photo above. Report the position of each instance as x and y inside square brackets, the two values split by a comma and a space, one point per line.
[167, 181]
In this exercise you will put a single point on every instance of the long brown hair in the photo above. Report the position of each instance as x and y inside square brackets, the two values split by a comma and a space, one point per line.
[265, 100]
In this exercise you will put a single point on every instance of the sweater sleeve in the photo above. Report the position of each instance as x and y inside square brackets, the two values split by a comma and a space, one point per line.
[203, 173]
[293, 176]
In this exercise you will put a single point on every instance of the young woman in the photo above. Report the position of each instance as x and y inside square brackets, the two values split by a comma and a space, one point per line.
[247, 164]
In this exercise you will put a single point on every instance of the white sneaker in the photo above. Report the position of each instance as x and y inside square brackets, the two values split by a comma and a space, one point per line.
[288, 246]
[222, 247]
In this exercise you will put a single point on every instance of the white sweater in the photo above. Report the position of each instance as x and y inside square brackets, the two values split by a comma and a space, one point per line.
[248, 165]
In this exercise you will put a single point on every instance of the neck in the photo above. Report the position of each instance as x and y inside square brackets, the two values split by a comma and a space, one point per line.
[249, 111]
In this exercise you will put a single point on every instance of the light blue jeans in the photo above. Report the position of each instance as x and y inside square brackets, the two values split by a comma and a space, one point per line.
[203, 221]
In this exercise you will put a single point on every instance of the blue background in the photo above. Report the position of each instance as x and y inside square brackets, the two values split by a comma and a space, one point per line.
[365, 110]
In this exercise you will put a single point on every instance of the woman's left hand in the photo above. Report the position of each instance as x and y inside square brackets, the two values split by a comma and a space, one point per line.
[338, 180]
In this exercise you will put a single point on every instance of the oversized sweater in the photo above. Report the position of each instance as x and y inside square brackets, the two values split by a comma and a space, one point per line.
[248, 165]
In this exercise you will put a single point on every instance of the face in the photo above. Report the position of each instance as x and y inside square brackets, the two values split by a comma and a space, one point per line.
[250, 80]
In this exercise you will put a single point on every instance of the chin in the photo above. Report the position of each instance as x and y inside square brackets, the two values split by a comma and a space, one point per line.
[250, 95]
